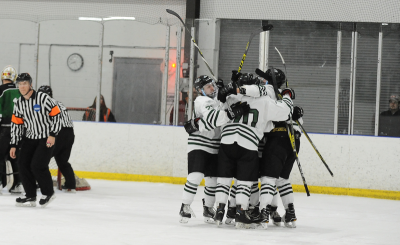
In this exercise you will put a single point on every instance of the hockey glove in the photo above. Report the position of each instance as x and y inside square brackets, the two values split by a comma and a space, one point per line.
[220, 83]
[237, 110]
[229, 89]
[289, 92]
[192, 125]
[235, 76]
[297, 113]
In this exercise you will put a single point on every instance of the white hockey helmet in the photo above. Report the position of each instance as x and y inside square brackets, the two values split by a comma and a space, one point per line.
[9, 73]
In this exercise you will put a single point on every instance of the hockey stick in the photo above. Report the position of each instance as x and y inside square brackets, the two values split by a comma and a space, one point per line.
[284, 65]
[252, 35]
[315, 148]
[194, 42]
[289, 128]
[301, 126]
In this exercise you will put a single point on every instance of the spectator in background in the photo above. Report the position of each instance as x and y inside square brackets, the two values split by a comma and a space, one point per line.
[393, 106]
[105, 113]
[183, 108]
[389, 121]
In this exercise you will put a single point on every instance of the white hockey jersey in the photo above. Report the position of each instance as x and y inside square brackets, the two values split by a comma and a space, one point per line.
[249, 129]
[268, 90]
[212, 115]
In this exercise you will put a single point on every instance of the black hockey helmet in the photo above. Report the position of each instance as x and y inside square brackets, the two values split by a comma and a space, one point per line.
[279, 75]
[46, 89]
[24, 77]
[203, 80]
[246, 79]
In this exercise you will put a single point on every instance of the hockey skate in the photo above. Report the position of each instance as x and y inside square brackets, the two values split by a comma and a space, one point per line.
[24, 201]
[274, 215]
[46, 200]
[289, 218]
[17, 189]
[208, 214]
[263, 219]
[185, 213]
[254, 211]
[66, 190]
[219, 214]
[243, 219]
[1, 188]
[230, 215]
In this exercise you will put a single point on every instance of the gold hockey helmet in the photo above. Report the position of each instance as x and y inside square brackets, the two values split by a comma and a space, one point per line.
[9, 73]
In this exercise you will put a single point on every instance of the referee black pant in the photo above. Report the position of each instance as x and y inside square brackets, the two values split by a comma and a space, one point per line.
[33, 165]
[62, 151]
[5, 138]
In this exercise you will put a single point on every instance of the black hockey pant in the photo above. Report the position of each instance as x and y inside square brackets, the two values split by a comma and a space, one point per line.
[62, 152]
[5, 138]
[33, 162]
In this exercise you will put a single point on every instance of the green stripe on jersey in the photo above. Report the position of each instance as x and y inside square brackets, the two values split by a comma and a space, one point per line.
[200, 136]
[205, 124]
[238, 129]
[243, 126]
[207, 142]
[212, 147]
[215, 120]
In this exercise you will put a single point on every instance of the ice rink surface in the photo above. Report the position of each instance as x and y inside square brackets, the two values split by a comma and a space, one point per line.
[116, 212]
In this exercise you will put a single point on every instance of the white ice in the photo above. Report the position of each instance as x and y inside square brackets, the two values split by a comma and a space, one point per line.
[116, 212]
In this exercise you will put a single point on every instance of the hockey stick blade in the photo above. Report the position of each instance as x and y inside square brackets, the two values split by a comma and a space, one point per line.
[194, 42]
[261, 73]
[177, 15]
[252, 35]
[268, 27]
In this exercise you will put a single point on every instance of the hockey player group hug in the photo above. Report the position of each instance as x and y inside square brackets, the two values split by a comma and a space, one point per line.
[30, 123]
[239, 133]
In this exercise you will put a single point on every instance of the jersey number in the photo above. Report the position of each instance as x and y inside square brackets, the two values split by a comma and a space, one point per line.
[246, 117]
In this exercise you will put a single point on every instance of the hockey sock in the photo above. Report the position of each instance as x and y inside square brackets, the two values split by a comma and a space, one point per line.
[232, 194]
[267, 191]
[255, 195]
[286, 191]
[189, 191]
[209, 191]
[274, 202]
[243, 194]
[222, 191]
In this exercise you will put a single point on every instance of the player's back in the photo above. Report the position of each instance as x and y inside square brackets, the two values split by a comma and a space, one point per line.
[248, 130]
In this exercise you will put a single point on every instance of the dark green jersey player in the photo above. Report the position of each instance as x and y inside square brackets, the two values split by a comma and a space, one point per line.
[9, 93]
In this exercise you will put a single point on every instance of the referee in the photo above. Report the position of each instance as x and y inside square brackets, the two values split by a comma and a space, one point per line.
[40, 116]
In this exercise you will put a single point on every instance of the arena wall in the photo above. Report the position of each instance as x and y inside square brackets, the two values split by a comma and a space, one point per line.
[362, 165]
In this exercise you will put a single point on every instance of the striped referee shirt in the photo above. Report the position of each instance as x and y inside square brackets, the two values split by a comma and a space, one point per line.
[66, 120]
[40, 115]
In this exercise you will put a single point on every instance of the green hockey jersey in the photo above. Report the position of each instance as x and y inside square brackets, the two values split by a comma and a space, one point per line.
[8, 95]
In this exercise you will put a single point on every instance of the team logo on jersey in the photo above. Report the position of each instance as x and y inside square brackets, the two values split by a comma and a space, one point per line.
[36, 108]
